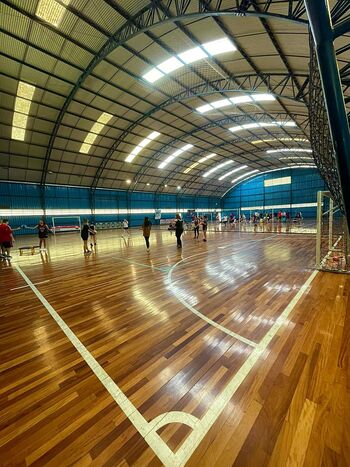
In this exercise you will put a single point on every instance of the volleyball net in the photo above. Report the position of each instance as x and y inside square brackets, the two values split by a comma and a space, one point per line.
[332, 237]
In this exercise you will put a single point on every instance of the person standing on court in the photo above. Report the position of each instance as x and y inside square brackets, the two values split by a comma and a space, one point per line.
[146, 230]
[205, 227]
[179, 228]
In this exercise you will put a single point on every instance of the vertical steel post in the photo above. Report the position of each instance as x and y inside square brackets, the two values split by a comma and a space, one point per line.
[323, 34]
[330, 224]
[319, 229]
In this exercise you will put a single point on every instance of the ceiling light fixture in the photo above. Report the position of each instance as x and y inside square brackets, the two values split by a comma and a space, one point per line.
[217, 167]
[244, 175]
[207, 49]
[250, 126]
[174, 155]
[235, 101]
[273, 151]
[137, 149]
[237, 169]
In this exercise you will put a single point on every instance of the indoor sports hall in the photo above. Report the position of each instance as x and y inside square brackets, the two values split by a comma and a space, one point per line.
[174, 233]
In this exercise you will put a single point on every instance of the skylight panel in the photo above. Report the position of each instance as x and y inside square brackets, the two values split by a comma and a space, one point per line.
[174, 155]
[153, 75]
[200, 161]
[295, 158]
[190, 167]
[170, 65]
[19, 120]
[22, 105]
[96, 129]
[240, 99]
[244, 175]
[85, 148]
[51, 11]
[18, 133]
[23, 102]
[137, 149]
[192, 55]
[237, 169]
[219, 46]
[218, 167]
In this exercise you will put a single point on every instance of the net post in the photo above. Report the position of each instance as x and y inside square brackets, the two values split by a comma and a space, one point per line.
[319, 229]
[330, 224]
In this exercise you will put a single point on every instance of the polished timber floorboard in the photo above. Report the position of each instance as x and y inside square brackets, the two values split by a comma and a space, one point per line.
[239, 333]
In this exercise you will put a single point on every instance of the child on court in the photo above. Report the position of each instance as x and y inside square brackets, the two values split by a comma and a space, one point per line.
[93, 235]
[85, 230]
[126, 227]
[146, 230]
[6, 239]
[43, 233]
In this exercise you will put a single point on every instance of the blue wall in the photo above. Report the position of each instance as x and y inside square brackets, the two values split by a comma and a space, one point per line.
[28, 196]
[303, 189]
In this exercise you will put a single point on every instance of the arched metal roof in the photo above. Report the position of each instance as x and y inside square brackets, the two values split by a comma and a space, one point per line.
[89, 68]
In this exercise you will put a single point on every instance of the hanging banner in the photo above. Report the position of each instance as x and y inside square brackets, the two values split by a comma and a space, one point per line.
[157, 214]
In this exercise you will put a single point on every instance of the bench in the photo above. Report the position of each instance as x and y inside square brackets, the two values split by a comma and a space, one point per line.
[31, 248]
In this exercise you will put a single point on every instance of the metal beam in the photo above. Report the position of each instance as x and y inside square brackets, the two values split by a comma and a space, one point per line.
[322, 31]
[154, 14]
[342, 28]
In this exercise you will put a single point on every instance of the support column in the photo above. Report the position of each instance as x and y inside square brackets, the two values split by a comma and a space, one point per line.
[323, 35]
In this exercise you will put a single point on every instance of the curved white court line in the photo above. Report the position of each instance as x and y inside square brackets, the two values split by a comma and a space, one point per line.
[200, 315]
[173, 417]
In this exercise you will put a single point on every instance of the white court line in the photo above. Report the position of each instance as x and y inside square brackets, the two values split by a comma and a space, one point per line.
[148, 429]
[200, 315]
[24, 286]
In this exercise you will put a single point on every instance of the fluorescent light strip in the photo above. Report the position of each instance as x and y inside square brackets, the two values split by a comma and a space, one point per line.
[235, 101]
[250, 126]
[174, 155]
[96, 129]
[259, 141]
[137, 149]
[273, 151]
[218, 167]
[207, 49]
[244, 175]
[87, 212]
[295, 158]
[23, 102]
[51, 11]
[279, 206]
[233, 171]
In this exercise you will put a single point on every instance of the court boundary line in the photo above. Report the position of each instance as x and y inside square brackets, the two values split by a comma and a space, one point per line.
[148, 430]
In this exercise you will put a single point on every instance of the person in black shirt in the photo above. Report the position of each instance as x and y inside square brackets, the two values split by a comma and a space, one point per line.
[85, 230]
[204, 227]
[179, 230]
[43, 233]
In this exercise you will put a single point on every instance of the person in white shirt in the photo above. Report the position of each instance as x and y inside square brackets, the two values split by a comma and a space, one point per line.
[126, 227]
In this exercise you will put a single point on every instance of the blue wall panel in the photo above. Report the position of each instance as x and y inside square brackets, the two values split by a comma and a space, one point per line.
[303, 189]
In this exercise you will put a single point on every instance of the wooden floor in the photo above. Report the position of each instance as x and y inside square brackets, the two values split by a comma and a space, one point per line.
[230, 352]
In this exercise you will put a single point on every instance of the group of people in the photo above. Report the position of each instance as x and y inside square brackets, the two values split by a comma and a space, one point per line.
[7, 239]
[88, 230]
